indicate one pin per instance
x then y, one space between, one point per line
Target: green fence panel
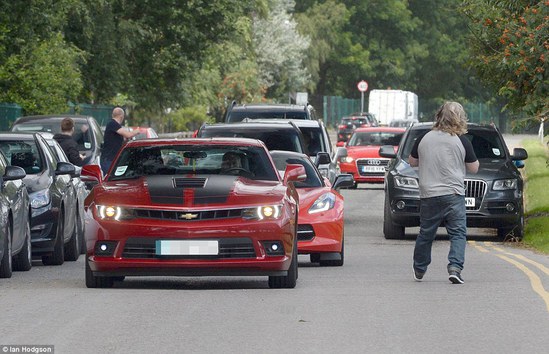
9 112
102 113
336 107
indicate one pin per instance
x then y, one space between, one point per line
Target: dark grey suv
237 113
494 196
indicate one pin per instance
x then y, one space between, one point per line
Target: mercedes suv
493 196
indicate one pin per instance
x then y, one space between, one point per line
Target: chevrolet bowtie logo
188 216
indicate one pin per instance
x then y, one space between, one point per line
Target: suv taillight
342 126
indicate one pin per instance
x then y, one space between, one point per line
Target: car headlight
40 199
262 212
406 182
347 159
505 184
323 203
112 212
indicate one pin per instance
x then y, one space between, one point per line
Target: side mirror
344 180
340 144
294 173
64 168
91 175
322 158
519 154
387 151
341 152
13 173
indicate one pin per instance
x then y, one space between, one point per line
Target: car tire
23 261
390 230
58 255
335 263
289 281
97 282
72 248
6 266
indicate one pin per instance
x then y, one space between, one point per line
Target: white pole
361 101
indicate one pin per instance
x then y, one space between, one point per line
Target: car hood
488 170
363 151
190 192
37 182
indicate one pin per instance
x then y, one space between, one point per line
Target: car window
279 139
189 160
314 140
313 180
375 139
239 115
24 154
486 144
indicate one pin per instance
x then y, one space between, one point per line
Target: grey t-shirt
442 159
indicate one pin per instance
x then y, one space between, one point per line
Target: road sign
362 86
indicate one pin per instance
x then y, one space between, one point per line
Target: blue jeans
105 165
449 209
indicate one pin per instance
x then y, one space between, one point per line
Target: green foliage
188 118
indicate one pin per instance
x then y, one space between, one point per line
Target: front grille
377 164
184 182
305 232
187 215
475 189
144 247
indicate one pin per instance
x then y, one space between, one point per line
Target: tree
511 43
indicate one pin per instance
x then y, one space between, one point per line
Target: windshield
313 180
375 138
238 116
486 144
82 133
250 162
24 154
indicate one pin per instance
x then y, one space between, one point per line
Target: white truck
393 105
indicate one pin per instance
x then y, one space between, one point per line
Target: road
370 305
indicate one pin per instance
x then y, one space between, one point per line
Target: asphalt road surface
370 305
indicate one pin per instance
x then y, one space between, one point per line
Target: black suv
237 113
493 196
87 132
357 120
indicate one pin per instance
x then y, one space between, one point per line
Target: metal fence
9 112
335 107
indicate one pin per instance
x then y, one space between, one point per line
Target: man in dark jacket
68 144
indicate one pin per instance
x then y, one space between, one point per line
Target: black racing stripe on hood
216 190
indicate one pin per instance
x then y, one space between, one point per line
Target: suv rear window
239 115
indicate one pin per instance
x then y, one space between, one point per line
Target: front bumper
318 233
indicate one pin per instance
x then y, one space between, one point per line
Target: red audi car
320 222
363 160
192 207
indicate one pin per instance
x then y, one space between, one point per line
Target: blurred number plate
187 248
469 202
373 168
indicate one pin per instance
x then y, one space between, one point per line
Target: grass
536 173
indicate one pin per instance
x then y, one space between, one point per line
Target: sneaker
418 276
455 277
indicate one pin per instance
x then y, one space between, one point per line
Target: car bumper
352 169
320 233
242 248
43 232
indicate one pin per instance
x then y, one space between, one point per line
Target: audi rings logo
373 162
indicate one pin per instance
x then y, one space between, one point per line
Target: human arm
471 162
126 133
413 159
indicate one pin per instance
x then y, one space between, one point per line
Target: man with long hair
443 156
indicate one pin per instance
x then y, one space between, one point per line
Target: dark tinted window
274 139
24 154
375 138
239 115
314 140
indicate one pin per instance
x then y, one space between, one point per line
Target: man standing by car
443 156
68 144
114 138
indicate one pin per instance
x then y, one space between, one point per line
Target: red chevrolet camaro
320 222
192 207
363 160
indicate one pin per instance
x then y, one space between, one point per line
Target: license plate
187 248
469 202
374 169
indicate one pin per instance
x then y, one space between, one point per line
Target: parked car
363 160
80 189
144 133
237 113
52 198
320 221
281 135
88 133
494 195
176 207
348 124
402 123
15 237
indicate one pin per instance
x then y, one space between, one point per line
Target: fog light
400 204
273 248
105 248
510 207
